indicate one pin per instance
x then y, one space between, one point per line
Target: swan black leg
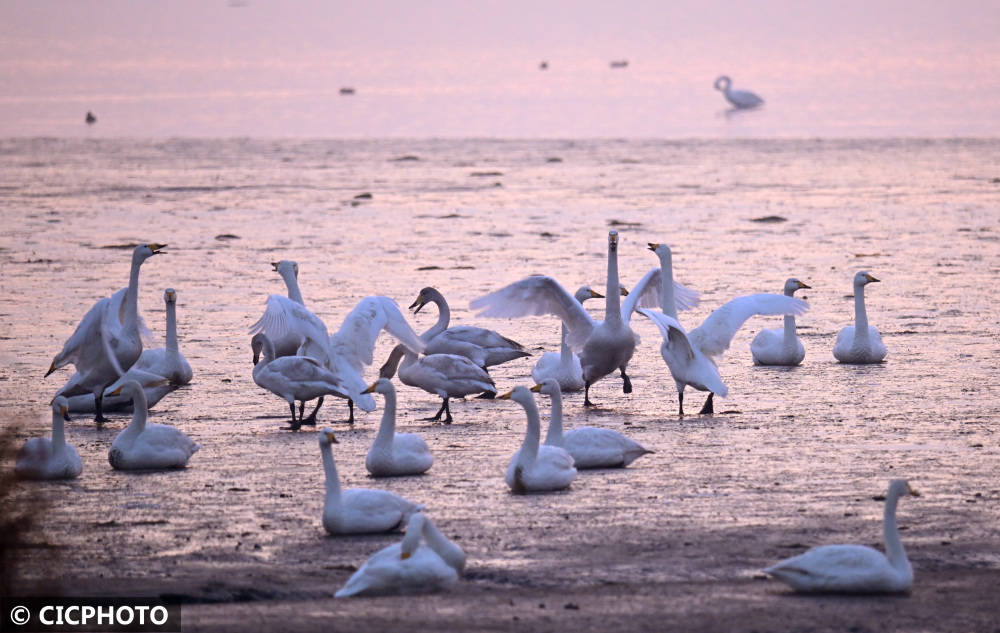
586 396
627 387
708 408
99 408
680 400
294 426
311 420
302 408
437 416
350 407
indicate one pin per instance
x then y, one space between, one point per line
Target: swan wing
89 329
714 335
534 296
283 317
355 340
646 294
855 568
673 332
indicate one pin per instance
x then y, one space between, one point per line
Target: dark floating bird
90 118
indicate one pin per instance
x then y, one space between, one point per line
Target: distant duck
347 90
90 118
780 346
394 454
50 458
854 568
544 65
860 343
147 446
410 566
742 99
619 63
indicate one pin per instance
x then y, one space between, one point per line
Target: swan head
863 278
518 394
901 488
793 284
326 437
170 296
60 407
661 250
382 385
586 292
426 296
257 344
143 252
723 82
612 240
286 267
414 533
549 387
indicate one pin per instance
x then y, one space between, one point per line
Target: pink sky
471 68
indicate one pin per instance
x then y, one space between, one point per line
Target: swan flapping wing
355 340
673 332
646 294
714 335
283 317
88 330
534 296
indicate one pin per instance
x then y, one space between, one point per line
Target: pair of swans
690 356
741 99
425 561
780 346
536 467
289 324
590 447
394 454
359 510
143 445
860 343
107 339
151 370
50 458
854 568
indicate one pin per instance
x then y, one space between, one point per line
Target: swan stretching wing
648 293
715 334
284 318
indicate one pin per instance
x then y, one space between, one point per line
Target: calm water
468 216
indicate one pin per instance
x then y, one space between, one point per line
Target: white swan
445 375
106 340
854 568
393 454
860 343
741 99
291 327
50 458
564 366
409 567
293 378
590 447
691 356
604 345
780 346
485 347
535 468
146 446
359 510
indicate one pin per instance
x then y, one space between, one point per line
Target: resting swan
860 343
358 510
410 566
107 341
590 447
691 356
485 347
780 346
148 446
445 375
854 568
394 454
742 99
604 345
50 458
535 468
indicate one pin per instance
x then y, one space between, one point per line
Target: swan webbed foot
294 425
627 385
437 416
708 408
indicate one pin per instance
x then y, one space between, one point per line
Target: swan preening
358 510
854 568
780 346
860 343
535 467
50 458
485 347
394 454
106 340
425 561
146 446
589 447
691 356
741 99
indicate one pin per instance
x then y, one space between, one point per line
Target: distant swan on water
742 99
860 343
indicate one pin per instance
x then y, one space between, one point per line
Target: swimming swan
854 568
535 468
50 458
147 446
742 99
393 454
590 447
358 510
410 566
860 343
107 341
780 346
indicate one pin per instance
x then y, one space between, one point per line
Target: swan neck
448 551
332 479
860 314
612 306
667 302
292 283
387 429
529 449
893 545
789 336
565 353
554 436
140 411
391 365
444 317
132 294
172 346
58 432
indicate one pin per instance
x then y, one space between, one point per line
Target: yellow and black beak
506 396
275 266
596 295
64 411
802 285
913 491
371 388
623 290
652 246
537 388
330 437
116 392
156 248
420 302
869 278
